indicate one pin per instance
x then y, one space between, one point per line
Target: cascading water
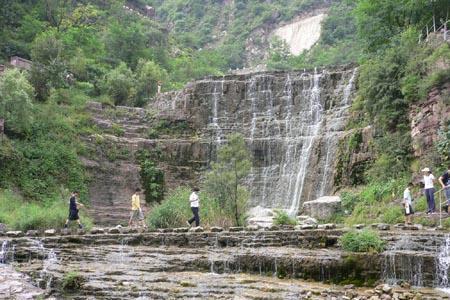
5 252
292 123
443 265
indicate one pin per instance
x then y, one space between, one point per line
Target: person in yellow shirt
136 211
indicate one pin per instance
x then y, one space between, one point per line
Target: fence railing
435 27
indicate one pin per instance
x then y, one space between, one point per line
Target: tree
16 95
225 180
49 66
119 85
148 74
152 180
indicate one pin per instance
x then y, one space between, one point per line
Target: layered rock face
292 122
428 118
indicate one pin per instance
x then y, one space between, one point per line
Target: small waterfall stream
443 265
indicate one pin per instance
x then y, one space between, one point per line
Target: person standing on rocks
444 180
428 180
73 210
136 210
194 201
407 202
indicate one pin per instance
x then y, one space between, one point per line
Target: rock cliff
292 123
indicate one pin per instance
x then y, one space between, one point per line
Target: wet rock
32 233
114 230
181 229
273 228
165 230
14 233
235 229
196 229
97 230
359 226
327 226
65 231
308 226
81 231
383 227
310 221
216 229
323 207
252 228
387 289
50 232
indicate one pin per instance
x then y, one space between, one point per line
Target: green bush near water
283 218
362 241
175 210
18 214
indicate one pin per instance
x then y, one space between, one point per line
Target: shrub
392 215
72 281
18 214
152 180
282 218
361 241
174 211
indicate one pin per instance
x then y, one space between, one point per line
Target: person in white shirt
194 200
407 203
428 180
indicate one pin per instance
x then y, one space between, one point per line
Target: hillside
114 53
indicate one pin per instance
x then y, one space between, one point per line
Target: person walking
194 201
428 180
73 210
407 203
444 180
136 210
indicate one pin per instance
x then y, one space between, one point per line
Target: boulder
216 229
383 227
50 232
327 226
235 229
32 233
114 230
97 230
252 228
14 233
323 207
196 229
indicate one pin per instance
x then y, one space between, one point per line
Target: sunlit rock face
292 122
302 34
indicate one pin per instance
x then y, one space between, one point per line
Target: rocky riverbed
115 263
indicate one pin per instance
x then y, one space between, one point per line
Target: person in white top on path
407 203
194 200
428 180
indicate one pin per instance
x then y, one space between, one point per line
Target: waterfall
315 115
5 252
403 262
443 264
292 122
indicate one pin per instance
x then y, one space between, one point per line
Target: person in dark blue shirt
444 180
73 210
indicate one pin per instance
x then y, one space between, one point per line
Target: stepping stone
216 229
359 226
181 229
97 230
235 229
50 232
383 227
17 233
252 228
327 226
32 233
196 229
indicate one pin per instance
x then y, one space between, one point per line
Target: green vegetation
23 215
225 181
174 211
72 281
152 180
361 241
282 218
